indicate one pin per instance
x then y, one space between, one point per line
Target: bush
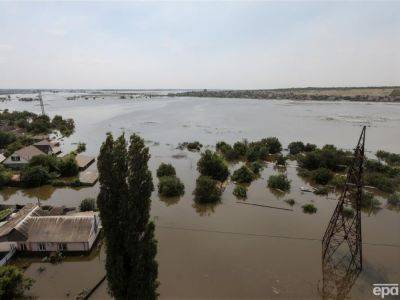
279 182
309 208
212 165
273 145
58 183
6 138
243 175
81 147
165 170
322 176
227 151
291 202
88 204
5 176
256 167
380 181
191 146
296 147
170 186
389 158
338 181
68 166
281 160
240 148
13 284
35 176
394 199
257 151
309 147
207 190
49 162
240 192
368 200
348 212
327 157
322 191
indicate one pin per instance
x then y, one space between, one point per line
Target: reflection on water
205 209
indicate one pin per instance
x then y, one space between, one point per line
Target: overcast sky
199 44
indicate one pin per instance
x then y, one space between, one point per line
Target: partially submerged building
21 157
35 230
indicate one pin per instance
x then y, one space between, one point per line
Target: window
22 247
62 247
15 158
42 246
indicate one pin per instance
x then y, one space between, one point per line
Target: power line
262 235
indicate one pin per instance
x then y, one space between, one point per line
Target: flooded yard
227 250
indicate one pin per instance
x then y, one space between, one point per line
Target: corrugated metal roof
17 218
60 228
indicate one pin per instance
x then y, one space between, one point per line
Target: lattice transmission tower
342 243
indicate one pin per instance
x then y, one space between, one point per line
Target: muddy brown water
228 250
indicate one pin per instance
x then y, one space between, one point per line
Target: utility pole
342 243
41 102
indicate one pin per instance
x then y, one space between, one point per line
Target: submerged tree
124 203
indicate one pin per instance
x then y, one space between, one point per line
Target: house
47 147
32 229
21 157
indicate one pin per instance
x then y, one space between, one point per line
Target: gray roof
28 152
60 228
30 225
17 218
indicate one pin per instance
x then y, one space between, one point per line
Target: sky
188 45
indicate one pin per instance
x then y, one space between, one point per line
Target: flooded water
229 250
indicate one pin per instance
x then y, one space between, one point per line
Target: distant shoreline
366 94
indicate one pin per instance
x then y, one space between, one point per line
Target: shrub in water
296 147
368 200
280 182
240 148
394 199
256 167
207 190
324 190
273 145
170 186
309 208
165 170
281 160
322 176
212 165
243 175
240 192
291 202
348 212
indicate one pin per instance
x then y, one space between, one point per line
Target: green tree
211 164
35 176
68 166
274 145
170 186
124 203
280 182
166 170
88 204
243 175
13 284
296 147
207 190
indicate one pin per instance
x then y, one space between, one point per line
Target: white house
21 157
32 229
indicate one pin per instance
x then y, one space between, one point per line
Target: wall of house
50 247
15 164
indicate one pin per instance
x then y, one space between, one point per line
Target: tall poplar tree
124 203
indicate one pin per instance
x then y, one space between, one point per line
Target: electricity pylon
342 243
